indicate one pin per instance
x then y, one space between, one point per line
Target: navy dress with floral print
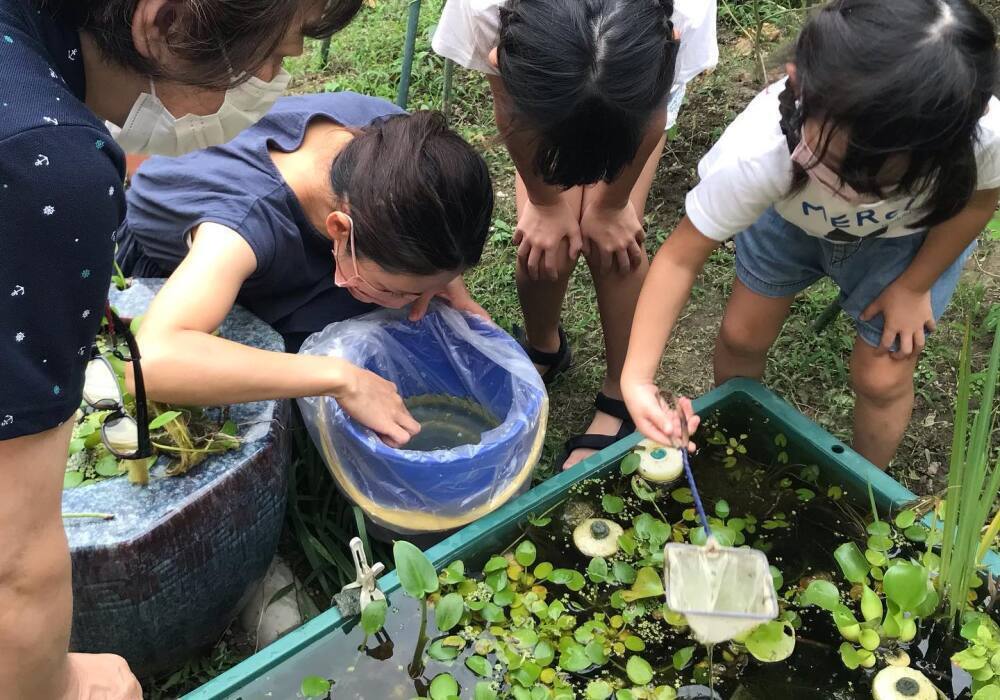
61 203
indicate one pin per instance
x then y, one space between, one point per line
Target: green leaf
107 466
777 578
869 639
849 655
634 643
647 585
905 584
444 686
480 666
722 508
820 593
229 428
439 651
630 464
871 605
495 563
597 570
879 528
905 519
612 504
415 571
574 658
543 571
852 562
987 692
539 521
373 616
880 543
525 553
315 687
454 573
162 419
448 611
916 533
771 642
544 654
598 690
484 692
682 657
595 652
72 479
623 572
682 495
642 490
638 670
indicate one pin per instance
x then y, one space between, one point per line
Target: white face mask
151 128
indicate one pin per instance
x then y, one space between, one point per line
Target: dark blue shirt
238 186
61 202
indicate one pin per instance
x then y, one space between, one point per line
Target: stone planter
168 574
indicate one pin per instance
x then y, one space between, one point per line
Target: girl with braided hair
582 91
876 163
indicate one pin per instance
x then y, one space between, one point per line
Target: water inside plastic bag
722 591
447 421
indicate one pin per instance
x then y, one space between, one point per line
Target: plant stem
99 516
991 534
417 664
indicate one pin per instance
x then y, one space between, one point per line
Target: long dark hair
586 76
420 196
215 39
906 78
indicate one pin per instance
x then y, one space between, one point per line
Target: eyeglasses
124 437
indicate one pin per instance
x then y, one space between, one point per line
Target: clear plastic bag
445 353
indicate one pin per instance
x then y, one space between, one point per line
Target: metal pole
324 53
449 71
411 39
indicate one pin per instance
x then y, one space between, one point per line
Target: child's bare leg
749 327
542 299
617 295
884 390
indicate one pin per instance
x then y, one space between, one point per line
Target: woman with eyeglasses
331 206
160 76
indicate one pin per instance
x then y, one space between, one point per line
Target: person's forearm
946 241
663 296
194 368
617 193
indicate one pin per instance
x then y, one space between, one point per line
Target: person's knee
739 338
882 382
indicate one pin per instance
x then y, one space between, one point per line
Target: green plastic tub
807 443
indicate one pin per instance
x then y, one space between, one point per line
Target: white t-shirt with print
469 30
750 169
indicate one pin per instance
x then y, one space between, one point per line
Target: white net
722 591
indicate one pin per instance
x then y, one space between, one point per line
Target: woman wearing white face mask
66 68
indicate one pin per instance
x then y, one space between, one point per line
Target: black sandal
593 441
557 362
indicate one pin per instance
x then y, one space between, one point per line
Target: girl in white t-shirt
583 90
876 163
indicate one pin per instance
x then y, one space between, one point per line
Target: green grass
809 369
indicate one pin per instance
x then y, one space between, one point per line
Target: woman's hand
541 231
376 404
457 296
613 237
657 420
906 313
